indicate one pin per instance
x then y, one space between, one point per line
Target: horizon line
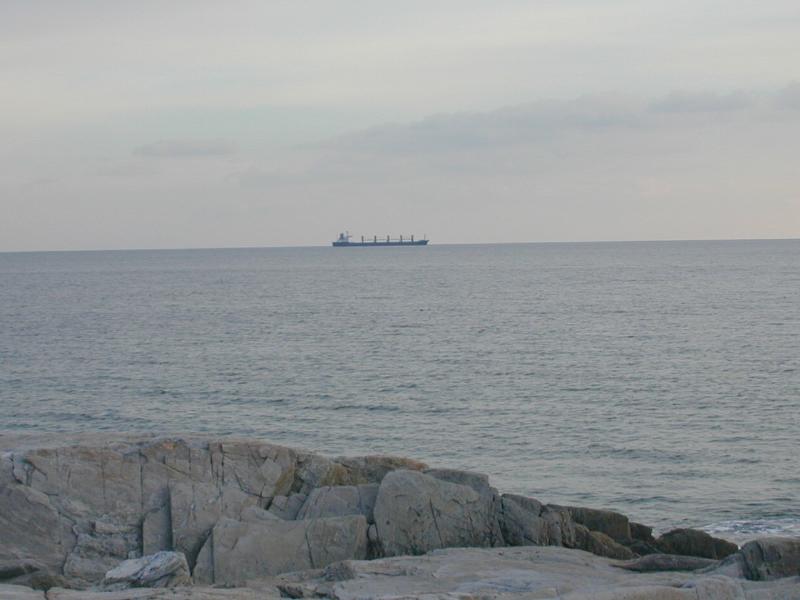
328 245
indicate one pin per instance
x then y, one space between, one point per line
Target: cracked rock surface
76 511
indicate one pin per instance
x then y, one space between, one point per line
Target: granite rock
771 558
613 524
692 542
19 592
668 562
372 469
31 529
196 507
237 551
521 521
416 513
339 501
178 593
287 507
600 544
74 507
160 570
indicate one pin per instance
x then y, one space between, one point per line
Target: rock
692 542
372 469
771 558
179 593
73 508
236 551
643 548
560 526
291 589
716 588
157 530
315 471
489 495
416 513
339 501
99 547
19 592
641 533
668 562
521 521
526 521
260 470
160 570
83 480
613 524
196 507
82 570
600 544
31 528
470 574
254 514
533 572
11 569
287 507
30 573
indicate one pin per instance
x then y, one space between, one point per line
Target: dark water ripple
660 379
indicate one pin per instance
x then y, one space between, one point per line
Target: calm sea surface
659 379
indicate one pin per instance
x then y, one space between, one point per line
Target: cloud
528 141
186 148
789 97
688 102
524 123
138 168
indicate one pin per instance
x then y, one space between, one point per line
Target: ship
345 240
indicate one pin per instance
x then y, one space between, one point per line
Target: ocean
660 379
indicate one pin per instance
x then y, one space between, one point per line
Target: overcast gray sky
154 124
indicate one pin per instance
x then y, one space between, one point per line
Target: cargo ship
346 240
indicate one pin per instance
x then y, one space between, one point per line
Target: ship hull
380 243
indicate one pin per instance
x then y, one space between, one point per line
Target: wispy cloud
186 148
789 97
528 135
703 102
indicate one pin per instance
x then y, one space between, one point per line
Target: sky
181 124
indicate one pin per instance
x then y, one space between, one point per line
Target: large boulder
521 521
338 501
600 544
771 558
613 524
31 529
373 468
692 542
641 533
489 496
416 513
527 522
196 507
160 570
238 551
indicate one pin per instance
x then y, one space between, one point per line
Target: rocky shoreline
120 517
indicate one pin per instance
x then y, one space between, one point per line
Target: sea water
660 379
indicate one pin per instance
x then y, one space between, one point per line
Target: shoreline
737 529
228 510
